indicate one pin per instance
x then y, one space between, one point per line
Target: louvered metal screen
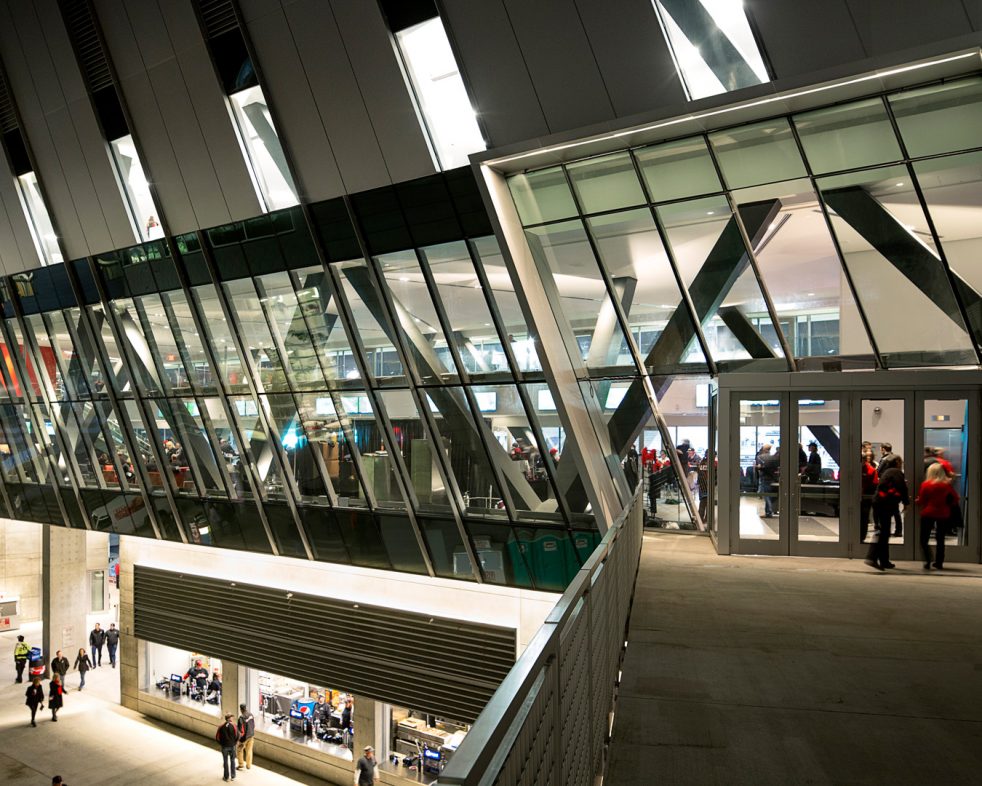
441 666
8 118
85 36
217 16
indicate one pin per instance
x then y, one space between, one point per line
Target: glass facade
266 386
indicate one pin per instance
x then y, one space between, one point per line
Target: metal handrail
487 745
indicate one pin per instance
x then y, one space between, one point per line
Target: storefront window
187 678
420 745
310 715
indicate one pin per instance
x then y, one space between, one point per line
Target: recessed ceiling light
710 212
899 185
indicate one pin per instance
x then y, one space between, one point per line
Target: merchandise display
422 744
189 678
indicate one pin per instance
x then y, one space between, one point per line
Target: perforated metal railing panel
442 666
548 723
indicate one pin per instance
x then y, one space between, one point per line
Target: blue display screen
430 753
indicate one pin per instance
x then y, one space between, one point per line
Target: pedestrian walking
938 501
112 641
891 492
21 654
35 697
366 770
82 664
247 736
60 667
227 737
97 638
55 700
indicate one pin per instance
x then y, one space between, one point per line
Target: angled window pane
941 118
305 459
136 189
500 554
39 221
518 333
516 447
606 183
715 267
758 153
801 269
565 251
368 317
378 465
330 430
542 196
632 251
952 188
418 321
263 150
466 308
463 444
847 136
713 45
440 92
257 447
446 547
290 333
676 170
254 331
419 453
319 309
182 325
902 285
220 337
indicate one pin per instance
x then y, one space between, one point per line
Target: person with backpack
227 736
247 736
21 653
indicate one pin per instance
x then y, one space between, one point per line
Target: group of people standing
59 666
885 494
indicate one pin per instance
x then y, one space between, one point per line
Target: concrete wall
20 565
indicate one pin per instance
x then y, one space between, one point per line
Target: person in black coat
35 697
112 641
891 492
83 664
60 667
55 700
97 639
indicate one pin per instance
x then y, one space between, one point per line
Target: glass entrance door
759 479
816 485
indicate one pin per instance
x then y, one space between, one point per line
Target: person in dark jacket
83 664
891 493
868 487
227 737
112 642
813 466
938 501
97 638
247 736
60 667
35 698
346 714
55 700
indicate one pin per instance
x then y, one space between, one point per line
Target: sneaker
873 564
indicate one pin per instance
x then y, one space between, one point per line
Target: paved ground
769 670
95 741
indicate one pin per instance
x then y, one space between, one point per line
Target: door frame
913 386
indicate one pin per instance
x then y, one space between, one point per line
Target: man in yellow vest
21 653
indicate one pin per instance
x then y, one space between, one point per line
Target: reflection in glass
680 169
888 248
378 465
542 196
758 153
262 148
368 318
818 470
946 442
417 451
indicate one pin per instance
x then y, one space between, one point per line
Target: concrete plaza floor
783 670
95 741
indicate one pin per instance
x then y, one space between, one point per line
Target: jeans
940 527
82 683
765 489
228 762
96 656
112 653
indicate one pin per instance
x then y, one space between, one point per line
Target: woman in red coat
937 499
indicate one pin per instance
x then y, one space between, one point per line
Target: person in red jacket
937 499
869 481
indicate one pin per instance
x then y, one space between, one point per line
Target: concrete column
65 591
364 723
20 566
230 688
132 651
